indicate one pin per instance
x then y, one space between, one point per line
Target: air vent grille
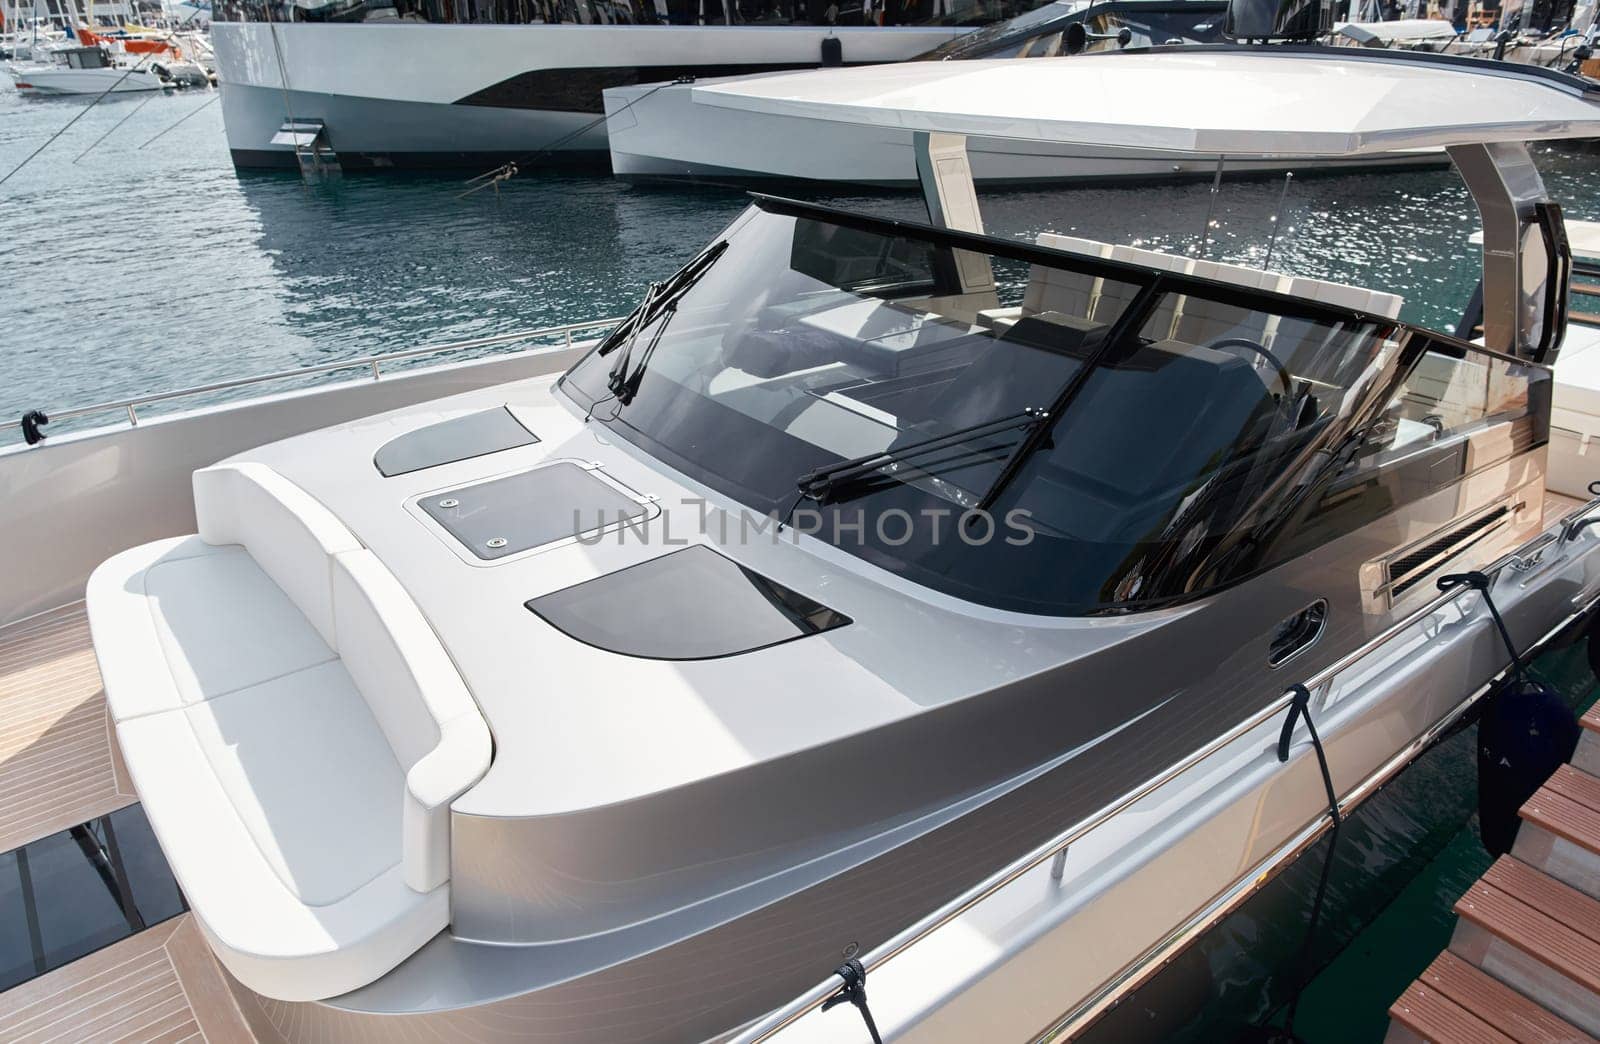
1409 569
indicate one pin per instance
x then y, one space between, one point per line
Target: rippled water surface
135 265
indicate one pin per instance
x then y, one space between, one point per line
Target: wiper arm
820 484
660 302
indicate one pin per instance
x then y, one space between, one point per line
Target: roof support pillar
952 198
1507 189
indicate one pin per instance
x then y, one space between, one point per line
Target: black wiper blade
820 484
660 302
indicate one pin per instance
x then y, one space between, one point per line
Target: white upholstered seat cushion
280 806
295 730
288 532
224 625
267 936
431 721
309 774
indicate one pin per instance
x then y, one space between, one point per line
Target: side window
1458 411
1473 395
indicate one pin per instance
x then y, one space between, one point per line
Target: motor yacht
384 84
682 132
877 589
84 70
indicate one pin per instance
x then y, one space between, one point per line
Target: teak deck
59 768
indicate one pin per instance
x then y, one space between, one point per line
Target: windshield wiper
660 302
820 484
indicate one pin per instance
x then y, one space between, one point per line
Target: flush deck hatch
532 508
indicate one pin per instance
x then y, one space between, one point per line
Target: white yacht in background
427 83
95 70
725 131
467 705
675 132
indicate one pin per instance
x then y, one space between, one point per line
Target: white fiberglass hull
55 80
661 133
471 96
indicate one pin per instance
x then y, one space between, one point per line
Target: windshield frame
1263 518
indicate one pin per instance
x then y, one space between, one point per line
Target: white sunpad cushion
310 776
225 626
133 663
272 941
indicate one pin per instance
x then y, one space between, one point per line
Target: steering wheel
1277 364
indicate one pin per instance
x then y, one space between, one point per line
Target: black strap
1300 708
854 990
32 422
1479 582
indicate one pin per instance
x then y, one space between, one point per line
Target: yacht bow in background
419 83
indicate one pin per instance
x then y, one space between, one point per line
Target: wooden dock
1524 963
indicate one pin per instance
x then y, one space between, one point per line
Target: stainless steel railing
375 363
775 1021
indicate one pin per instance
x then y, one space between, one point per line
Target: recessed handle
1298 633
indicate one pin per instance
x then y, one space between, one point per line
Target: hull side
410 95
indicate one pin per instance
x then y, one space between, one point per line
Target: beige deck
161 985
57 768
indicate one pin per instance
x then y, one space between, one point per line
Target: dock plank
1494 1003
1502 905
1564 818
1576 786
1433 1016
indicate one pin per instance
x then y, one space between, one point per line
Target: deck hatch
693 604
459 438
540 506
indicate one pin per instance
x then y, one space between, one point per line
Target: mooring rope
185 116
509 169
854 991
1300 708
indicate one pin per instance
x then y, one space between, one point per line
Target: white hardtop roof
1402 29
1227 101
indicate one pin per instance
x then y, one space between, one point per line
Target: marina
920 600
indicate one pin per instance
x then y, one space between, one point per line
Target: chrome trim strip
1135 974
372 362
776 1020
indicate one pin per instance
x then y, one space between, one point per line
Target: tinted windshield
807 342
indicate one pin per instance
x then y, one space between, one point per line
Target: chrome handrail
373 362
1319 684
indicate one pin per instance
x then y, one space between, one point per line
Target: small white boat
83 70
